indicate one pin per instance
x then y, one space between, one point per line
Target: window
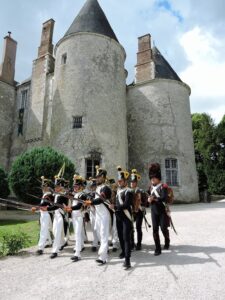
77 122
64 59
91 162
171 166
24 97
20 121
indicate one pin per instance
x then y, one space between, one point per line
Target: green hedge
26 171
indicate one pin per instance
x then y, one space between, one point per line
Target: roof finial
9 32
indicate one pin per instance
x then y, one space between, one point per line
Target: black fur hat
155 171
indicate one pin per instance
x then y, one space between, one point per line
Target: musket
20 203
105 201
56 204
17 207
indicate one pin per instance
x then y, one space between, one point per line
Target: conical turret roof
91 18
162 68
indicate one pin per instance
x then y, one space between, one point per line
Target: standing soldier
138 206
77 215
92 213
124 219
114 234
45 217
103 217
158 199
60 224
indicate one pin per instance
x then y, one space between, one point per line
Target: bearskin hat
155 171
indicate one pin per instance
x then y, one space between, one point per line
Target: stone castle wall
159 127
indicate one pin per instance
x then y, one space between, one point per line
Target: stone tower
159 122
89 101
42 66
7 98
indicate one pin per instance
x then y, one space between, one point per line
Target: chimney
7 67
46 46
144 65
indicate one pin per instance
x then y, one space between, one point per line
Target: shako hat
100 172
78 180
134 176
122 174
45 182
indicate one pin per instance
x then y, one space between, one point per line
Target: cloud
206 71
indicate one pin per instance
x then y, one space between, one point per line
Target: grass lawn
31 228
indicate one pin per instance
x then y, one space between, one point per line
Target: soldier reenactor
158 200
77 214
45 216
103 215
124 219
60 223
139 206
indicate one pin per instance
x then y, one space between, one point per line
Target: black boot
167 244
39 252
75 258
53 255
127 264
101 262
138 247
122 255
157 252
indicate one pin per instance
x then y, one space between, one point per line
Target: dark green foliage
12 243
4 187
209 143
26 171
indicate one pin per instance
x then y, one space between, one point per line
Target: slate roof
91 18
162 67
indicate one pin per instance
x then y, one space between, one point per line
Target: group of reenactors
112 207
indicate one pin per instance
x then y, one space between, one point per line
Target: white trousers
96 238
102 224
45 224
78 233
58 232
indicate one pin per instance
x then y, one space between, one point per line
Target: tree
216 173
4 187
209 143
26 171
204 144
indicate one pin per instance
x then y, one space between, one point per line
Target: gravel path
194 268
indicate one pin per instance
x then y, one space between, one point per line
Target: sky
189 33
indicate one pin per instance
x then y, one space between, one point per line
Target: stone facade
77 102
159 127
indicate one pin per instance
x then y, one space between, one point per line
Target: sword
171 222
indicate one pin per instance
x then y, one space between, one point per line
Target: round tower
159 123
89 102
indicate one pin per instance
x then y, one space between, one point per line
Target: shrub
26 171
12 243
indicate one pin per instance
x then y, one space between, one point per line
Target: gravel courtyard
194 267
